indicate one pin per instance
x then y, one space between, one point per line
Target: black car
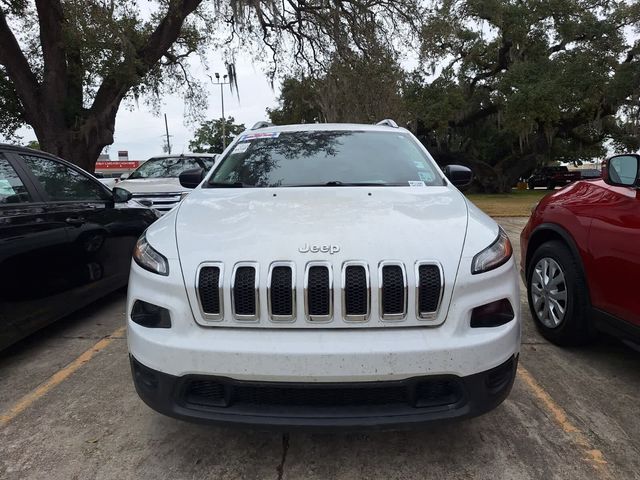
590 173
551 177
65 239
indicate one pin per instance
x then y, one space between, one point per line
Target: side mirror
120 195
622 170
124 176
192 178
458 175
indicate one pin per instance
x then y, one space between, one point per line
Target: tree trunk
80 146
53 105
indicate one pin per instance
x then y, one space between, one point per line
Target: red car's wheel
557 295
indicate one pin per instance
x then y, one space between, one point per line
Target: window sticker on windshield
414 183
426 176
253 136
419 165
241 147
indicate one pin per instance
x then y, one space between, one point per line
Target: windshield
331 158
171 167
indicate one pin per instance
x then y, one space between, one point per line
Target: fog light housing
149 315
492 314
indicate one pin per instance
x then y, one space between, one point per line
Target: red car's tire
557 295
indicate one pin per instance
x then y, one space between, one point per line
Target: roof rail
388 123
261 124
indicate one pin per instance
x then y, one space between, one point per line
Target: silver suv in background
155 183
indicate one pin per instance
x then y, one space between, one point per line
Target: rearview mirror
458 175
622 170
120 195
192 178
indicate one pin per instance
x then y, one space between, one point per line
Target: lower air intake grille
318 291
429 287
244 292
208 288
319 397
393 290
355 290
412 393
281 291
205 393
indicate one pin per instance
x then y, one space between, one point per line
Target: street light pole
166 129
224 120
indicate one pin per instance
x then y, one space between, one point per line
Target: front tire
557 294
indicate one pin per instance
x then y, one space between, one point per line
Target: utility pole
224 120
166 129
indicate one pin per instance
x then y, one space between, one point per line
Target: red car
580 257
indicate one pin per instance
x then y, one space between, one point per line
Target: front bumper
384 405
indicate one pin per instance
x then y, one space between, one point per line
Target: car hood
371 224
155 185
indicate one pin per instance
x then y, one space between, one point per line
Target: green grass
515 204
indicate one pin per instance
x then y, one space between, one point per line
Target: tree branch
115 87
502 63
18 69
51 19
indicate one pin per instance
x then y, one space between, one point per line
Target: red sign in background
116 165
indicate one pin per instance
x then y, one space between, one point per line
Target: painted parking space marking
592 455
57 378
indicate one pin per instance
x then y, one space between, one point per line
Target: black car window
62 183
331 158
12 190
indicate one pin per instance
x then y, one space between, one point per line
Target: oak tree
66 66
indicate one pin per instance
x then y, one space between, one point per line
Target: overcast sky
142 133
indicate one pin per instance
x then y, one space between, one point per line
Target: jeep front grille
360 295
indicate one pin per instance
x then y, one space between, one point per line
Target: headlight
148 258
496 254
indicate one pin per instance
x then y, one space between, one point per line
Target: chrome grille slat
392 286
356 291
281 292
209 290
245 303
318 291
429 288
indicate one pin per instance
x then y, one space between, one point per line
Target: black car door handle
75 220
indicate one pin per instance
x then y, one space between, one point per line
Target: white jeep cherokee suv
324 276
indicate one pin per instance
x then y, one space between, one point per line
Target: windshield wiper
226 185
338 183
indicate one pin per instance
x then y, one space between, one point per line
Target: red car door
614 247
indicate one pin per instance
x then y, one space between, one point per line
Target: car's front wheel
557 294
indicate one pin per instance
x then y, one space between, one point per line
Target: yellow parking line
592 455
57 378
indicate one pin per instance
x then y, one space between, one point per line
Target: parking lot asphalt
68 410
